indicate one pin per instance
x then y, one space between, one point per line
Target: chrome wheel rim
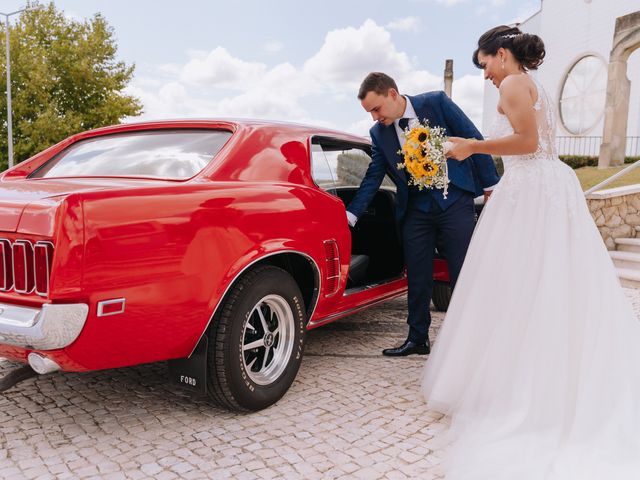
267 339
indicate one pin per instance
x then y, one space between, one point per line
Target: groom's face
383 108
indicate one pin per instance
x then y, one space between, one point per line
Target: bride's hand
460 148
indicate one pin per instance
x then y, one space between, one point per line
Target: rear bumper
49 327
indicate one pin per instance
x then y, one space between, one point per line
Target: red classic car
212 244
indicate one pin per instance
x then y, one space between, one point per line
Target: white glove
351 219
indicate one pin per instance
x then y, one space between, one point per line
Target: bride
538 360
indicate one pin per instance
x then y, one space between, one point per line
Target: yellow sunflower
415 169
410 151
418 135
430 169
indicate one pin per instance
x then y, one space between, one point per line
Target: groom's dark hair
377 82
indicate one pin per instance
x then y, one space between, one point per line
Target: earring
502 62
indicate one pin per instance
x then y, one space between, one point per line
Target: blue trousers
452 229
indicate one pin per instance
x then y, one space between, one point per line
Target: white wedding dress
538 358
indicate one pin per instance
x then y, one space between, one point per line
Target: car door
376 270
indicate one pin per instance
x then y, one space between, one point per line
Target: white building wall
570 30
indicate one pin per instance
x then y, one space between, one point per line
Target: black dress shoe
408 348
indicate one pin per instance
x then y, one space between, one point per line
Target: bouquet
424 156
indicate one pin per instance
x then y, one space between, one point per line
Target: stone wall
616 212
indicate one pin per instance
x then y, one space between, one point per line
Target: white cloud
216 83
261 104
361 127
287 79
170 69
219 68
468 93
406 24
273 46
349 54
413 83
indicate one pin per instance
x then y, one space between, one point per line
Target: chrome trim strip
311 311
50 327
344 313
104 303
42 244
362 288
327 259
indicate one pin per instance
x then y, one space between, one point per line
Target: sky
293 60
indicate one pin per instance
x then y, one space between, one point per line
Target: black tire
242 379
441 296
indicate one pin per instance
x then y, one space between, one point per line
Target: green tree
64 79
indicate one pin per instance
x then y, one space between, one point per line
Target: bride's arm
517 104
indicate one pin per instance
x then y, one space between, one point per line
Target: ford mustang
213 245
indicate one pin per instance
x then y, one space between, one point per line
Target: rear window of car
166 154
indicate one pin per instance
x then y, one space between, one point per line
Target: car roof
233 124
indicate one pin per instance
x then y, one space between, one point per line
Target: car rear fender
301 266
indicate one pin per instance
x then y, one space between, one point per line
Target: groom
424 216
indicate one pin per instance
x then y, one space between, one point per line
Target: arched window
583 95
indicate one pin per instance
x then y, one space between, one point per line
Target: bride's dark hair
527 48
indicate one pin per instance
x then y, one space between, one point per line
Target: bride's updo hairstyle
527 48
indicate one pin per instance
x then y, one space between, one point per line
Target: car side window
341 165
322 173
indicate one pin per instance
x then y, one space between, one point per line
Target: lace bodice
541 172
546 132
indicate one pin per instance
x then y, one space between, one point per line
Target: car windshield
167 154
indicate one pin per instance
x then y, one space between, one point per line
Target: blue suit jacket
471 175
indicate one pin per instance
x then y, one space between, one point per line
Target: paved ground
350 414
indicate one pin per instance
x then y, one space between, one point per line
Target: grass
590 176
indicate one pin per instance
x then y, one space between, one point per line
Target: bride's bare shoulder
518 87
513 83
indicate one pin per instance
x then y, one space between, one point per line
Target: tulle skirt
538 358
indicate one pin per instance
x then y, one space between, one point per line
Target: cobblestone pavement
351 413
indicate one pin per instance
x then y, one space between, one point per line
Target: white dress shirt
409 113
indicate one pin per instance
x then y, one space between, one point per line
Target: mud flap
191 373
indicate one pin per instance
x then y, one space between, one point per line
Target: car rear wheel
441 296
257 340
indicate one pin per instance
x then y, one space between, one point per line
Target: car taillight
6 264
42 256
332 275
25 267
23 274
